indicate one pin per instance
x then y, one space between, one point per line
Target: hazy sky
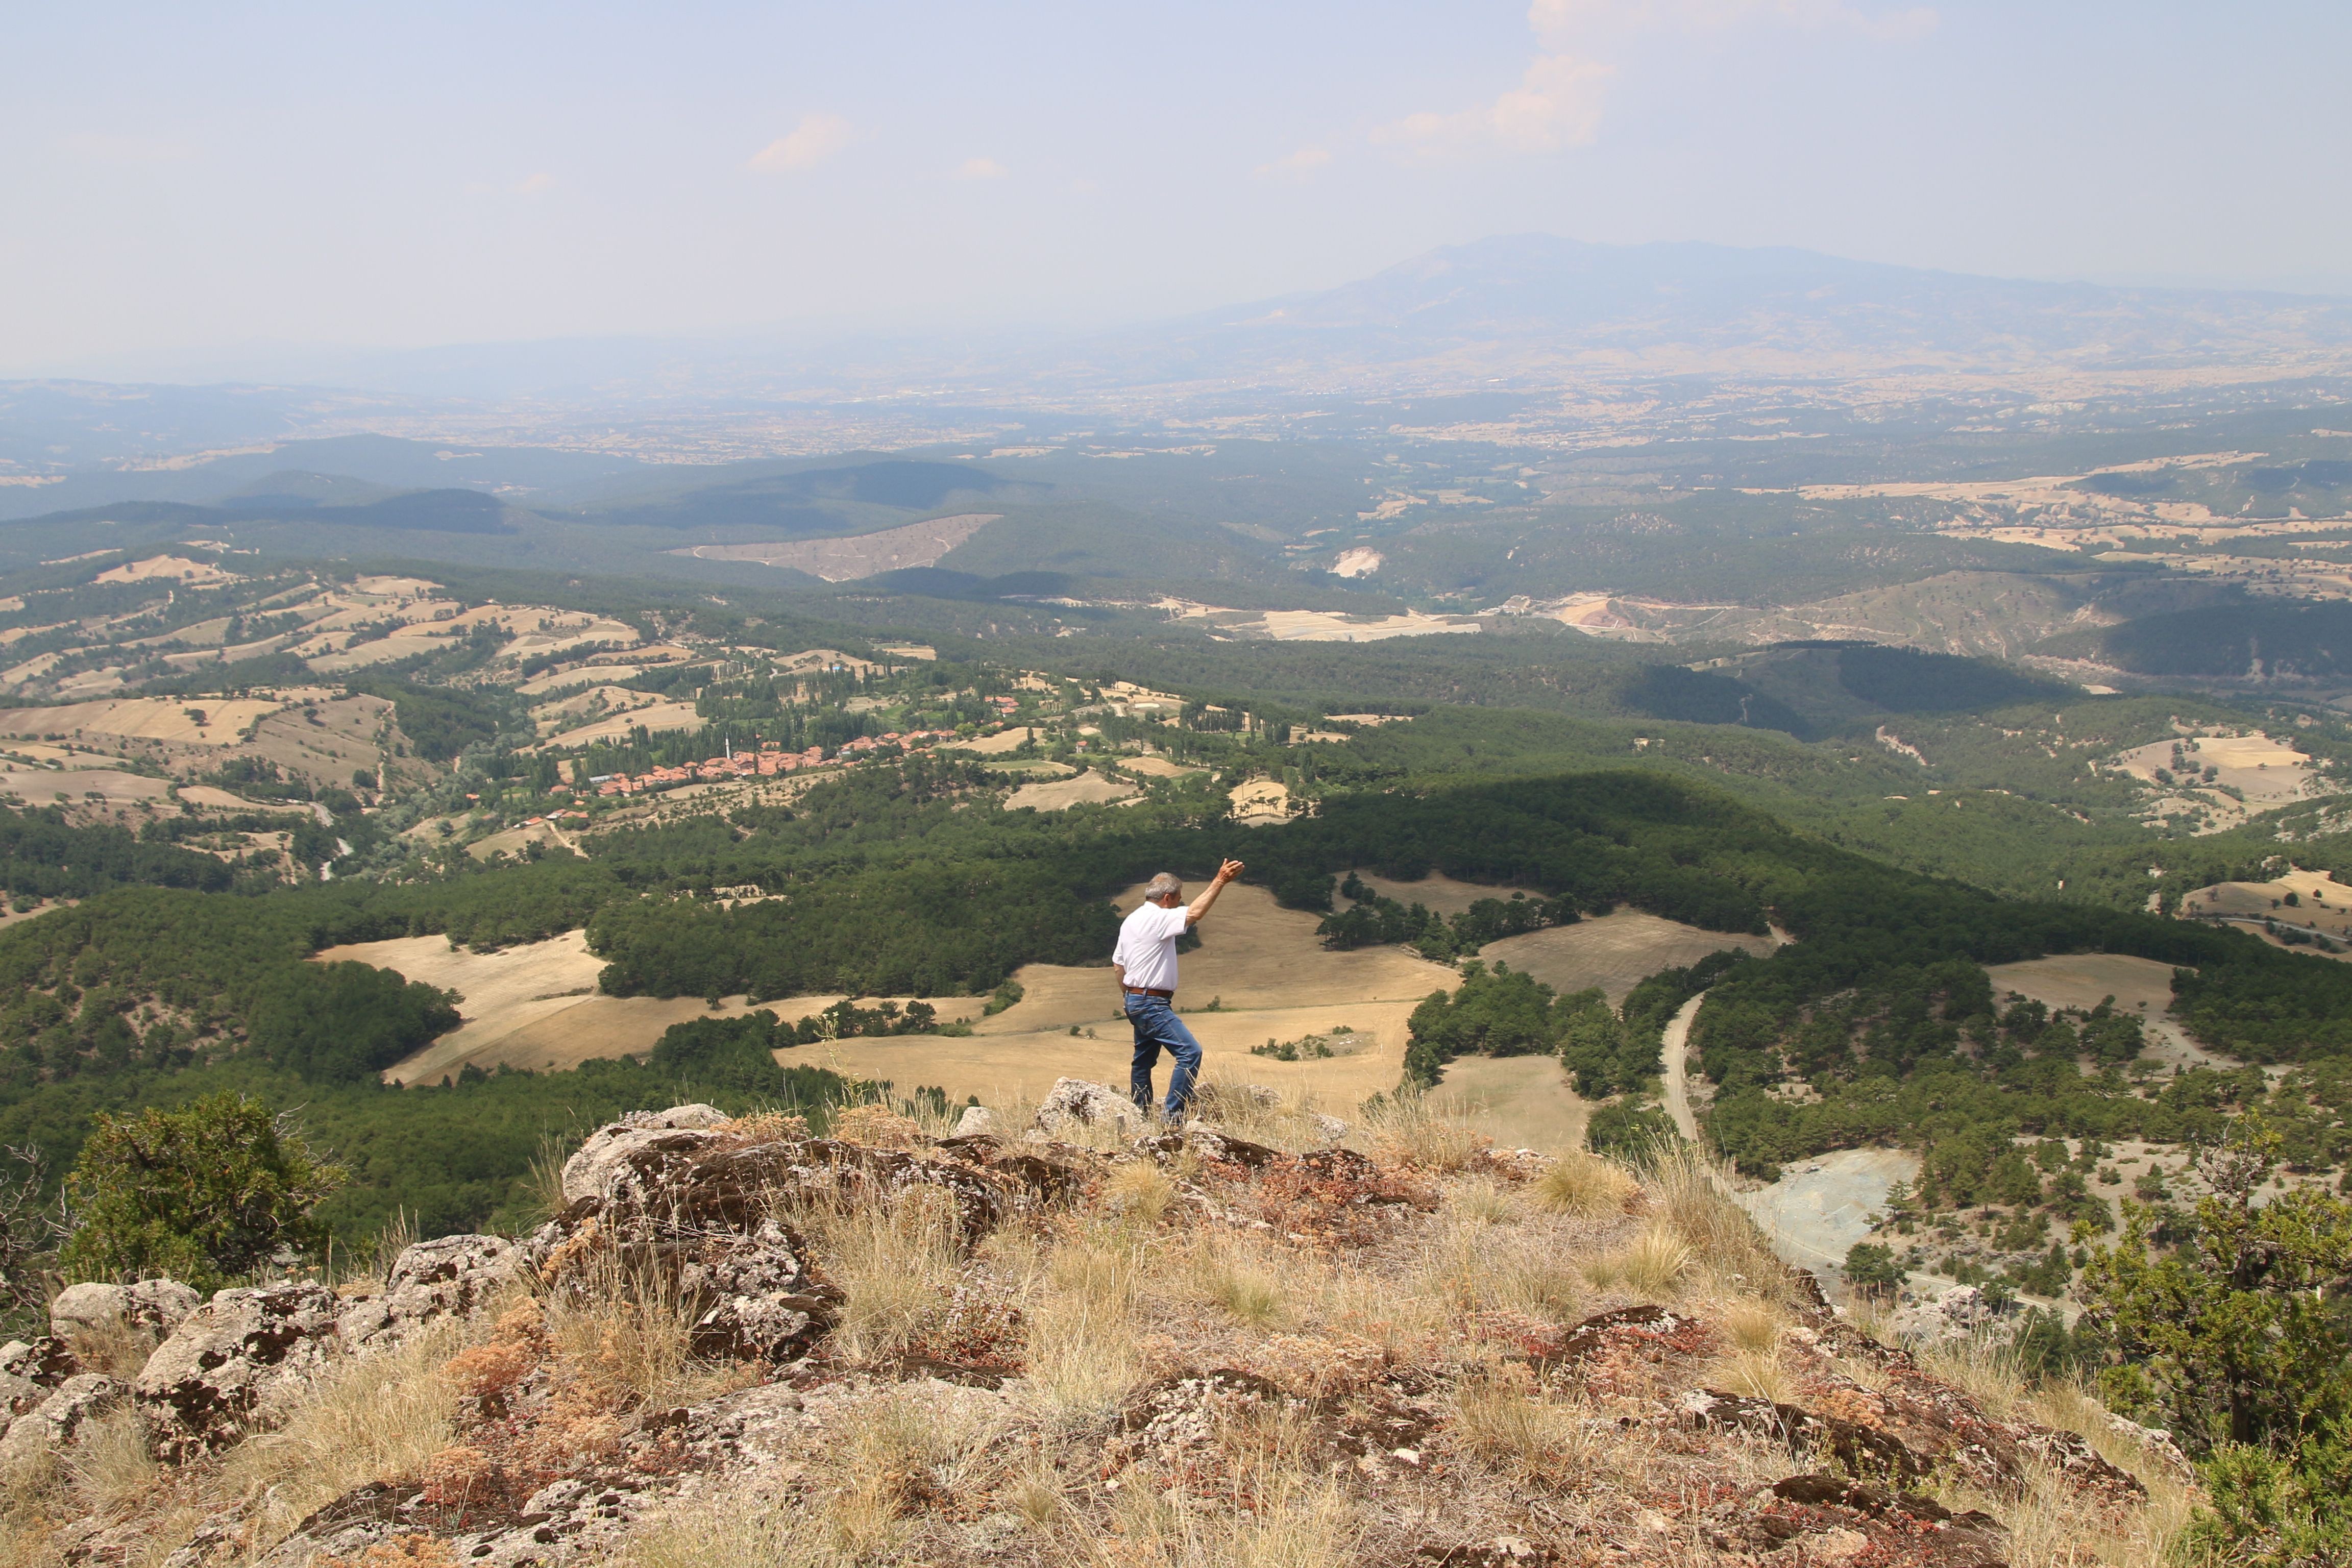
176 177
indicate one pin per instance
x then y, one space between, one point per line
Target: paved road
1678 1050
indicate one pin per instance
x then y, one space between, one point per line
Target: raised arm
1200 905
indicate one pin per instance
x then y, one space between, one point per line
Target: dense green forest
915 878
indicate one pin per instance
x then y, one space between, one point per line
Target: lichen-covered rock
1074 1099
975 1120
627 1159
454 1276
52 1425
45 1362
1813 1519
161 1305
221 1371
764 1303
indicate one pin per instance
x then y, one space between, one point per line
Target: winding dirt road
1676 1051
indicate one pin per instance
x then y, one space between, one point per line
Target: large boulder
627 1160
1077 1101
220 1373
454 1276
161 1305
54 1424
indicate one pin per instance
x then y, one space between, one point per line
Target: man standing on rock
1145 960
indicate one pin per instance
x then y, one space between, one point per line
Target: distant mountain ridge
1527 310
1528 303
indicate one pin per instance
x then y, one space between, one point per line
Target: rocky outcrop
161 1305
218 1373
53 1425
454 1276
625 1161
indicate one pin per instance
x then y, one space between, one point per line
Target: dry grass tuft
1288 1123
1479 1269
378 1417
1751 1324
1477 1201
1141 1191
896 1255
1243 1286
118 1347
876 1126
1583 1187
1532 1437
767 1127
110 1466
1653 1264
1406 1127
1082 1351
1692 1194
624 1333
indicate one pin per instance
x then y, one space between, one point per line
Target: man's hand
1200 906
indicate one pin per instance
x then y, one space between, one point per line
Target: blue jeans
1157 1026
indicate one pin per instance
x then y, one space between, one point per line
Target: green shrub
205 1193
1631 1131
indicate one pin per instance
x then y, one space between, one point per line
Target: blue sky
177 178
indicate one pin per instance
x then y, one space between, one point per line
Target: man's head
1166 890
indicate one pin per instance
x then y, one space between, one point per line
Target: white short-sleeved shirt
1147 946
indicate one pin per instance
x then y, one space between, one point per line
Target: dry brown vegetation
1212 1349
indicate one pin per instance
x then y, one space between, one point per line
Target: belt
1149 991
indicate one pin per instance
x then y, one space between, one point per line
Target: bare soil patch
1615 952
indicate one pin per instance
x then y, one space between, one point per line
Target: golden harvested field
2084 980
1436 892
1154 768
1060 794
530 1007
144 719
655 717
37 786
1615 952
995 745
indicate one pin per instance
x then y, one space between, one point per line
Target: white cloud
1557 104
980 169
816 138
1303 165
533 185
1560 99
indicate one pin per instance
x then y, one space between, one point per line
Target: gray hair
1162 884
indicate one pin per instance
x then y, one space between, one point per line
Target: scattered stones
216 1377
453 1276
975 1120
49 1427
